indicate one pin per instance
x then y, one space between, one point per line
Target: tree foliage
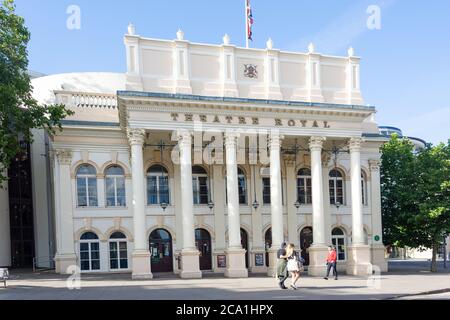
415 194
19 111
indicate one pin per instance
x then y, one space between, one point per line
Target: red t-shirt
331 256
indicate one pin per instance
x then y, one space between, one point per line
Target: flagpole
246 24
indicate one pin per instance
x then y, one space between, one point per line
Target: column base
64 261
358 261
272 269
236 264
379 260
261 268
190 264
216 268
318 260
141 267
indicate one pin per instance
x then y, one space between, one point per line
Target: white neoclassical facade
207 157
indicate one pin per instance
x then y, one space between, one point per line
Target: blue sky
405 68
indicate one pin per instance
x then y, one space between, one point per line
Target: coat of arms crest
250 71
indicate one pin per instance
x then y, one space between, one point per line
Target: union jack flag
249 21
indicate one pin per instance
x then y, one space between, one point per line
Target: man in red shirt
331 262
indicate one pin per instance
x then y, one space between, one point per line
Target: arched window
339 241
304 186
200 185
86 186
336 183
115 187
363 188
242 187
89 252
157 185
118 253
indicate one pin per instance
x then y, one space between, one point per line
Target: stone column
378 249
358 252
276 203
326 198
291 198
65 245
318 250
219 215
235 254
141 267
190 264
178 213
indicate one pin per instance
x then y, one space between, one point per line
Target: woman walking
293 265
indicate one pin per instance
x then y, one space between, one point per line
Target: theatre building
129 185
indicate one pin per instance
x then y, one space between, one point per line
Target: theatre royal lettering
253 121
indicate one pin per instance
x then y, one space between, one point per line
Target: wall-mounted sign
254 121
377 238
259 259
221 261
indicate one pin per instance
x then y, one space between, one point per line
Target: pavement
406 280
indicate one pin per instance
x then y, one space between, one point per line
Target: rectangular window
266 190
81 190
95 256
164 189
332 197
203 190
92 192
120 192
152 190
242 191
110 192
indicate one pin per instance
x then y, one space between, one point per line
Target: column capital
231 138
136 136
64 156
316 143
374 165
184 137
355 143
275 139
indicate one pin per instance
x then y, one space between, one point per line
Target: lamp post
255 204
163 204
210 190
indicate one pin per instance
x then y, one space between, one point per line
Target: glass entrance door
161 251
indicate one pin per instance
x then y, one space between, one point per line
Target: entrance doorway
203 244
244 243
21 211
161 251
268 244
306 239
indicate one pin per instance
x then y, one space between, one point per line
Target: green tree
415 195
433 192
19 112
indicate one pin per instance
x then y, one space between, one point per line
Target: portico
195 166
